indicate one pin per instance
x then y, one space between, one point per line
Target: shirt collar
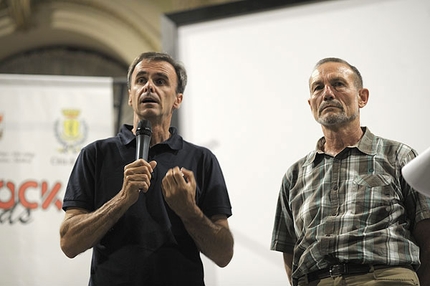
367 142
126 135
174 142
365 145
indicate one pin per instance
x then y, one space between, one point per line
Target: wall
247 99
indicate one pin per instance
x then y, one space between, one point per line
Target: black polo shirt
149 244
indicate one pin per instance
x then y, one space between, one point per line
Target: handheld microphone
143 139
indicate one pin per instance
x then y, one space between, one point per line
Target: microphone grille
144 127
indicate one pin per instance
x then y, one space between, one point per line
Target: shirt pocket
374 181
374 198
374 190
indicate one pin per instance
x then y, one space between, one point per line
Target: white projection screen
247 94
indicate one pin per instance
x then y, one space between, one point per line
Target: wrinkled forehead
329 71
154 67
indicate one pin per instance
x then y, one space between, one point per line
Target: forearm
424 270
81 231
288 262
213 238
421 235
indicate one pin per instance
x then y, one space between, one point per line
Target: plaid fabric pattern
351 208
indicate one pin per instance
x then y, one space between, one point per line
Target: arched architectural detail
118 30
83 37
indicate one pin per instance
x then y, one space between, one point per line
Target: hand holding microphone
137 174
143 141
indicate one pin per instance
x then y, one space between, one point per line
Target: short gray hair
358 79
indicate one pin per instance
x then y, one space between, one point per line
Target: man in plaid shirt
345 215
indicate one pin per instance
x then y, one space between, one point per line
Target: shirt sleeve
80 182
417 205
214 198
283 236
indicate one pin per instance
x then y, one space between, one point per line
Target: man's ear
178 101
130 102
363 97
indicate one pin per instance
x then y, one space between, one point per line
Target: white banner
44 122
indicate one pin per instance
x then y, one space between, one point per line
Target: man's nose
148 87
328 92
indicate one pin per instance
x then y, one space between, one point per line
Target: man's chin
331 120
335 120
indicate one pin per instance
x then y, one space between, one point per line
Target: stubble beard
336 119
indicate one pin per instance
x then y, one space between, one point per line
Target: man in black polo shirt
148 221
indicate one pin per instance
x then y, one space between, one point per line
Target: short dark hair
358 77
181 73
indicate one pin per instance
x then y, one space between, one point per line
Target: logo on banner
18 200
71 132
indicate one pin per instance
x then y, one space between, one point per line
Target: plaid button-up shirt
352 208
